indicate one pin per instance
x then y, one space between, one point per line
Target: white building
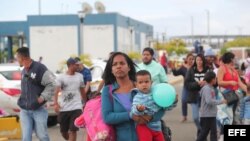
56 37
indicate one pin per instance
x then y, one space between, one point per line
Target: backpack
166 131
92 120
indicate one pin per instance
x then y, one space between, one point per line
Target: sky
172 17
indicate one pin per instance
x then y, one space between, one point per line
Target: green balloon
164 94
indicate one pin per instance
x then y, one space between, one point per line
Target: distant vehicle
97 70
10 90
10 87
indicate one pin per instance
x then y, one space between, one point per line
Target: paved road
181 131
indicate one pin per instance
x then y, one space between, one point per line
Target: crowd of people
126 95
206 80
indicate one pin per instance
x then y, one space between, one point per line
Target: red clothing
88 138
146 134
163 60
228 76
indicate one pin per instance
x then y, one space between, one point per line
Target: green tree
135 56
175 45
239 42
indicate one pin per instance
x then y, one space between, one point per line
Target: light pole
39 7
131 38
239 30
192 29
81 16
208 26
163 37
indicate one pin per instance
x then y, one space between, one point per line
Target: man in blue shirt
87 77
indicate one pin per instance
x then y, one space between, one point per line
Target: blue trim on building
53 20
127 22
115 19
12 28
101 19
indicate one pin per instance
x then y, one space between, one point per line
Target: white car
10 90
97 69
10 87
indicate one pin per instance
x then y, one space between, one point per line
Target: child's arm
136 101
207 93
140 108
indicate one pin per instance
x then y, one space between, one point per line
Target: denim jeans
195 114
34 120
184 104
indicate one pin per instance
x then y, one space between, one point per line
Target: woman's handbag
230 96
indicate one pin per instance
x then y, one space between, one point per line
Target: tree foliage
239 42
175 45
135 56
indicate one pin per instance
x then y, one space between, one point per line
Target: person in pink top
228 77
164 62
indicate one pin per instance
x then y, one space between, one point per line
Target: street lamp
192 29
208 26
239 28
39 7
81 16
131 30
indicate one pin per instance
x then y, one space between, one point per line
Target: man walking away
37 85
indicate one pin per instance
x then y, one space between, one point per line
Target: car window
12 75
96 72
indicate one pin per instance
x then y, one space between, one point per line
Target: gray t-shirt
70 95
208 102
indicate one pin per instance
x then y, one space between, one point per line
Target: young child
208 109
143 104
245 108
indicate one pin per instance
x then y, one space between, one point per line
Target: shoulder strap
226 69
110 93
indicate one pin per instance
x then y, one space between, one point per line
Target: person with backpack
143 104
119 76
71 86
164 62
